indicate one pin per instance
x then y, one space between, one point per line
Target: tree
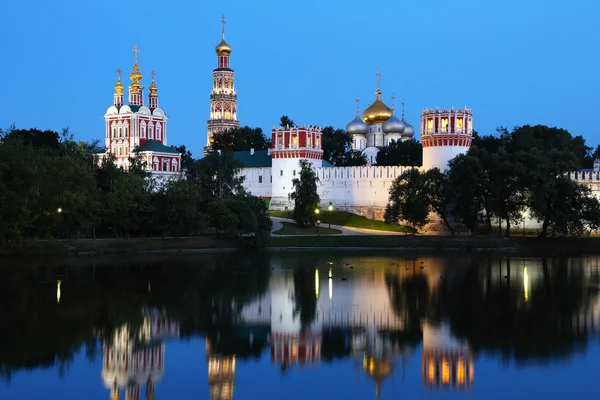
241 139
470 183
187 161
286 121
352 158
408 153
305 196
596 153
217 175
408 200
336 144
178 205
440 195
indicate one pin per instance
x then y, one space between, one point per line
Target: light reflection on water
299 326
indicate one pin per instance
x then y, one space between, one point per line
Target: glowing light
431 371
317 211
59 209
330 285
58 290
445 371
460 372
525 284
317 283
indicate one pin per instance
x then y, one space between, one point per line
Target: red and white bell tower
223 97
289 145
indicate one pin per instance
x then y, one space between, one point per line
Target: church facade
138 130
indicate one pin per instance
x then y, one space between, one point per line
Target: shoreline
429 244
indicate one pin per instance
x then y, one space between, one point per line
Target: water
299 326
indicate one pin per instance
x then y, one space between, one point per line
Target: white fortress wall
440 156
257 180
363 190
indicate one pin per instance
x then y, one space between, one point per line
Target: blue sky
513 62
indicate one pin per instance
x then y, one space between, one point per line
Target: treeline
504 178
51 187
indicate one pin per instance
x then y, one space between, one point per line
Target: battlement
441 122
297 142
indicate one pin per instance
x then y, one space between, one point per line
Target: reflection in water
376 315
221 374
135 356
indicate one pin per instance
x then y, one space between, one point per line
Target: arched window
174 165
157 132
143 130
151 131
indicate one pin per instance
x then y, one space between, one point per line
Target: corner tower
223 98
445 134
289 145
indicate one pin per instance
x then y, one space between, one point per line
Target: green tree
187 161
178 205
286 121
241 139
305 196
404 153
471 186
336 144
217 175
408 199
352 158
440 195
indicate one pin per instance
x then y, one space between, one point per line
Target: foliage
305 196
408 199
241 139
54 187
336 145
440 195
404 153
285 121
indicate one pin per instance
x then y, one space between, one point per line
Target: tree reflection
521 319
305 296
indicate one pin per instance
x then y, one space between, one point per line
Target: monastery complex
444 133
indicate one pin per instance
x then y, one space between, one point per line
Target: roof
260 158
151 145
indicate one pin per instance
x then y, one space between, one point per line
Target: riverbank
467 244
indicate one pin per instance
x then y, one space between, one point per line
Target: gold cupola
378 112
135 75
223 47
119 85
152 88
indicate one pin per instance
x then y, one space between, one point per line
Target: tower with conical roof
223 97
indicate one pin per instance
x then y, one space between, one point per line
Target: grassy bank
343 218
293 229
522 245
529 245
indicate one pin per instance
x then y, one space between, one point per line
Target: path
346 230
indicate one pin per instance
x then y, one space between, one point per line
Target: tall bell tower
223 97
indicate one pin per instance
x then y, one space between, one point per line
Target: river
307 325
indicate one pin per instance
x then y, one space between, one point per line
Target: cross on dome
393 100
378 74
357 104
403 108
223 23
152 73
136 53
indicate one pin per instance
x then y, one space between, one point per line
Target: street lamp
59 209
330 209
317 211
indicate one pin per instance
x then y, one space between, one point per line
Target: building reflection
306 307
445 361
221 374
134 356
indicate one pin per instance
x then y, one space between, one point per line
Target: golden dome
223 47
153 89
119 86
135 77
378 112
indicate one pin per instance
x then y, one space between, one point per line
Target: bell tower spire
118 100
223 97
153 96
135 88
